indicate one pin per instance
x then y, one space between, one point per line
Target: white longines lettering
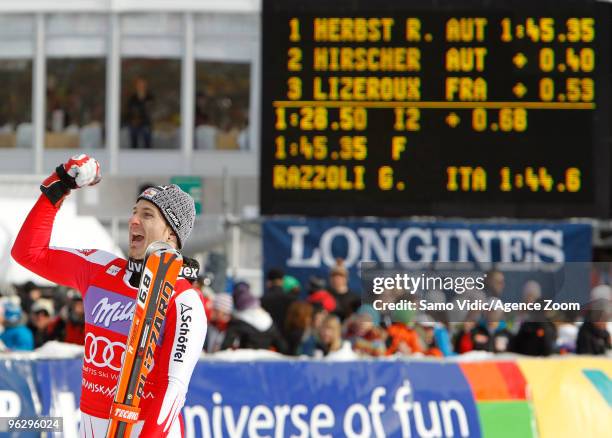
105 312
417 244
103 353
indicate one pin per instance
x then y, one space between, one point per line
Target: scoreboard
422 107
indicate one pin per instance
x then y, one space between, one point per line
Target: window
16 49
222 105
150 103
16 103
75 103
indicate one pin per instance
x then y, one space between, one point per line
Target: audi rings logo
104 353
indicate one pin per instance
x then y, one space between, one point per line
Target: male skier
109 285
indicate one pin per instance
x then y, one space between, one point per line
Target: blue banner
299 398
311 246
358 399
17 392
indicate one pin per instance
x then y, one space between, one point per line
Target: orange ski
161 269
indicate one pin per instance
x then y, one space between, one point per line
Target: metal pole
187 92
39 105
113 91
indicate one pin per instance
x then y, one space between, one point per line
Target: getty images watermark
458 292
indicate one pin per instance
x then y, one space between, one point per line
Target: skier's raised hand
79 171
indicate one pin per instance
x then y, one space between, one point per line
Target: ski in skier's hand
161 268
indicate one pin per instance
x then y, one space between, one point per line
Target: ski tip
159 246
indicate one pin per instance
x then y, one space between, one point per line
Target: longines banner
498 399
310 247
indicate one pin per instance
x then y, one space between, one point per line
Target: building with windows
154 90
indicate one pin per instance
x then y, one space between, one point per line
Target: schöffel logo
172 216
181 346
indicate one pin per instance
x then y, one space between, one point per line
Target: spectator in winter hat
251 326
363 330
29 293
275 300
593 336
403 338
274 279
291 285
323 298
41 316
16 336
315 283
537 336
346 300
500 335
435 336
532 292
190 271
69 325
601 292
426 327
495 283
8 290
221 314
463 339
600 302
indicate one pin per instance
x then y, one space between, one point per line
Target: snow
69 231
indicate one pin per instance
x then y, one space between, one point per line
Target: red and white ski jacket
109 302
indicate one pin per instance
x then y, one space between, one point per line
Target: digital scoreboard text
432 108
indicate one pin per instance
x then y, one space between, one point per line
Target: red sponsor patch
87 252
149 193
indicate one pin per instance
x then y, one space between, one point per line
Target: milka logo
104 312
415 244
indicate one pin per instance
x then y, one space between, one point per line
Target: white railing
119 6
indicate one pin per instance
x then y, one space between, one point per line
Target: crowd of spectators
325 319
30 316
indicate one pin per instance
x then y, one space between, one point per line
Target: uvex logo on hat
172 217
